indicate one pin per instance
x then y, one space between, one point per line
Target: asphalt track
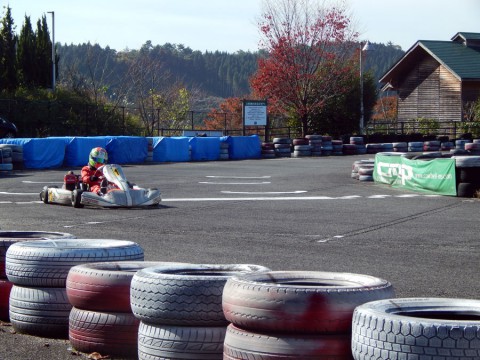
287 214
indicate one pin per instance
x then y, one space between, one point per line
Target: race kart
119 192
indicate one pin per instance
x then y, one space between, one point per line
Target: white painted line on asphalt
234 183
238 177
12 193
264 192
41 182
379 196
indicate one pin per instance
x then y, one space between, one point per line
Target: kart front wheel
76 197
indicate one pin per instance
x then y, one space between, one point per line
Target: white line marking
379 196
41 182
239 177
264 192
11 193
232 183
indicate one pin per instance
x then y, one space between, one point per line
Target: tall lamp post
366 47
53 50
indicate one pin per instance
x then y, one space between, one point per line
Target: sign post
254 113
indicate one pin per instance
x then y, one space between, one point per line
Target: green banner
433 176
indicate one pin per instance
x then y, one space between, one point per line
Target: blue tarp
44 153
243 147
127 149
171 149
78 149
205 148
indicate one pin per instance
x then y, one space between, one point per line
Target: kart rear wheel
76 197
44 195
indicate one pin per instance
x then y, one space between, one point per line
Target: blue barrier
55 152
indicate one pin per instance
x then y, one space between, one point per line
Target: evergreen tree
27 69
43 54
8 40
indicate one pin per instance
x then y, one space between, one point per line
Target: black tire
157 342
46 263
471 174
44 195
8 238
242 344
186 294
104 286
76 198
40 311
407 328
300 301
112 333
467 161
467 190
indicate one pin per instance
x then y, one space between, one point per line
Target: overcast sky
230 25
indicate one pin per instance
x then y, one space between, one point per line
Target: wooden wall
430 91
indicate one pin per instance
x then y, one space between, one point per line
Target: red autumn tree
385 108
228 116
310 50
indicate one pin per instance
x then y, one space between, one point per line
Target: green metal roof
461 60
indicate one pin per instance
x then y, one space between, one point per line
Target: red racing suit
87 173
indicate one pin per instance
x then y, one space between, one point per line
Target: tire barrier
253 345
101 319
8 238
362 168
38 269
327 147
467 169
282 147
5 158
224 154
112 333
180 309
349 149
46 263
295 314
337 147
430 328
41 311
315 142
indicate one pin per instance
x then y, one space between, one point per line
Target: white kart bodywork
120 193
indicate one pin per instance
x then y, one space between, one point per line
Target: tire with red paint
242 344
300 301
112 333
183 294
104 286
5 288
8 238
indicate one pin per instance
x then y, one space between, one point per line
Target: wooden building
435 79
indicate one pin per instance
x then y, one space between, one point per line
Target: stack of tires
39 268
432 145
101 319
224 154
467 169
8 238
415 146
180 309
349 149
282 147
473 148
447 146
337 147
268 150
315 142
361 164
301 148
5 158
327 146
400 147
295 314
374 148
358 141
149 157
460 144
417 328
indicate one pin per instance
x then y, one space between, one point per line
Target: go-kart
119 192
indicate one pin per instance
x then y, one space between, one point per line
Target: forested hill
218 74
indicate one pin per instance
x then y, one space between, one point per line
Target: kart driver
90 174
